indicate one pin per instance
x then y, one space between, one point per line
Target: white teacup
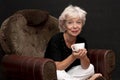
77 46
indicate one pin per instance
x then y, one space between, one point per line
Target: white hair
73 12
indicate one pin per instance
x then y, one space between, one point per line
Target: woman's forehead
73 17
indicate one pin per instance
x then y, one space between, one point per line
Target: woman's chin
74 35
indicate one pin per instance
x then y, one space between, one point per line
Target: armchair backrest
27 32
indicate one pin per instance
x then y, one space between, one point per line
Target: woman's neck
69 40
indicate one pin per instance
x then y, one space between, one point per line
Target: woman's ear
64 27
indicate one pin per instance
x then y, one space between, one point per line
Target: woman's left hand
81 53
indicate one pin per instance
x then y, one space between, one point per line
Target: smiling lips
74 31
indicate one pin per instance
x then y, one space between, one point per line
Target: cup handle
72 47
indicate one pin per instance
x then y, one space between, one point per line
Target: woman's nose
74 25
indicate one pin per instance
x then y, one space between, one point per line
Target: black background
102 27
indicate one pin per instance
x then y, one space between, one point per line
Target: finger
83 53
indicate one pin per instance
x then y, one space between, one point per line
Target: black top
58 51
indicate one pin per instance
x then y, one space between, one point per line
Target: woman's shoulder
81 39
57 37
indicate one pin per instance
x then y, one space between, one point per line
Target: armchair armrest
28 68
103 61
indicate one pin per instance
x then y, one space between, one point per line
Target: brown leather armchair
24 36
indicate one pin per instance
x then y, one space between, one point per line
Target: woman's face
73 26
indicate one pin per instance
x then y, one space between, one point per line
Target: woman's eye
69 22
79 22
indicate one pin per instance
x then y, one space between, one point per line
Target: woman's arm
82 55
85 62
65 63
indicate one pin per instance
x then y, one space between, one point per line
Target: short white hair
72 11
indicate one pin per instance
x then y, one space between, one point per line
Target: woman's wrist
73 56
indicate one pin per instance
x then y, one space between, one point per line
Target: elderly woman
71 65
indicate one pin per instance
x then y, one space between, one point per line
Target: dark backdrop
102 26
